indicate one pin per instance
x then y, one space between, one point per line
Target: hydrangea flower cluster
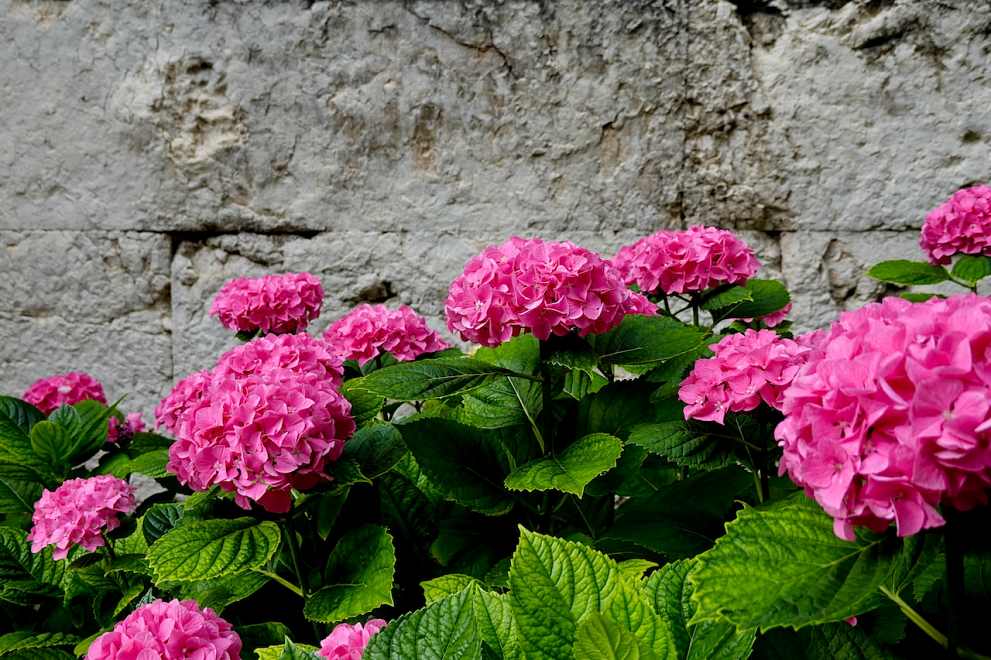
368 330
276 304
78 512
48 394
892 416
266 419
695 259
961 225
168 630
347 641
746 368
544 287
118 430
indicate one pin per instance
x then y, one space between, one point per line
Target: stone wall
150 150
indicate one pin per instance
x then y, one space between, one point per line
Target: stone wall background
151 150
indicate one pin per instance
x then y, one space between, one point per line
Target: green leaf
971 269
918 297
16 420
130 595
86 424
19 489
841 641
144 442
572 469
376 448
205 549
51 442
726 296
429 379
218 593
444 630
598 638
464 463
635 568
647 339
365 406
255 635
25 571
445 585
767 297
160 519
554 584
288 651
23 640
908 273
151 464
681 445
494 622
359 576
347 473
782 565
134 564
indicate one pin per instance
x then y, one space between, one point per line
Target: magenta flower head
347 641
961 225
265 420
891 416
118 430
168 630
745 369
78 512
544 287
369 330
695 259
48 394
275 304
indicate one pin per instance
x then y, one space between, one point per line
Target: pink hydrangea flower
276 304
48 394
168 630
891 416
118 430
773 319
265 420
745 369
544 287
368 330
695 259
347 641
961 225
78 512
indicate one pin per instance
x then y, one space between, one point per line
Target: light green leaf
494 622
506 401
86 424
782 565
359 575
647 339
376 448
51 442
365 406
635 568
766 297
572 469
151 464
726 296
971 269
677 442
288 651
598 638
429 379
205 549
444 630
218 593
23 640
130 595
908 273
445 585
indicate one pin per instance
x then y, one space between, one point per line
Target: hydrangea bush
628 457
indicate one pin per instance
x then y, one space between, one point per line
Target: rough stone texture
149 151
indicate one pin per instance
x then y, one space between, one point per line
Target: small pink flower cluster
48 394
118 430
265 420
368 330
78 512
745 369
348 642
276 304
892 416
545 287
168 630
961 225
695 259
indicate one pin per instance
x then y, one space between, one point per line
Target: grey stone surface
150 151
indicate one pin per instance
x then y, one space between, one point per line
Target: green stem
928 628
588 525
294 556
954 577
281 580
546 399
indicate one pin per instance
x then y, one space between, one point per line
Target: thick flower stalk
891 418
688 261
275 304
48 394
265 420
78 513
347 641
744 370
168 630
367 331
546 288
961 225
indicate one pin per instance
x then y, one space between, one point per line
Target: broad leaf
681 444
159 520
205 549
260 635
288 650
444 630
445 585
24 571
908 273
726 296
18 644
598 638
766 297
218 593
375 448
647 339
16 420
365 406
835 641
359 576
19 489
971 269
782 565
52 442
86 424
572 469
429 379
